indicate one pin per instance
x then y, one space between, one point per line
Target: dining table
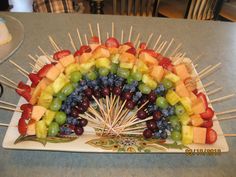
214 41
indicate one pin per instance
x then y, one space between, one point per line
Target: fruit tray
112 97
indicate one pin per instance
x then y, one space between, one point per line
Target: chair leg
187 8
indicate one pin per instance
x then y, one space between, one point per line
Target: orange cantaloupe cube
67 60
93 46
123 48
148 58
198 107
113 50
157 73
53 73
196 120
38 112
199 135
60 67
127 58
85 57
192 97
31 127
101 52
182 71
181 89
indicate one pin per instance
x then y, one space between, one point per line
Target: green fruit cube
49 117
45 99
41 129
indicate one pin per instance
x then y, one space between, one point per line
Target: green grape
137 76
56 104
76 76
114 68
174 121
167 83
179 110
60 118
68 89
61 96
103 71
161 102
176 135
144 89
122 72
92 75
53 129
129 80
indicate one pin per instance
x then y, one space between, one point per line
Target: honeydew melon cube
67 60
199 135
59 83
172 97
149 81
38 112
172 77
41 129
187 134
103 63
49 117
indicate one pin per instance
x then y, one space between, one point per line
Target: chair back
136 7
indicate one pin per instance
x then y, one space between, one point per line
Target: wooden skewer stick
7 103
138 43
167 48
9 80
122 36
86 39
197 58
99 34
22 73
79 36
34 68
10 109
16 65
225 118
222 98
72 42
204 70
176 50
208 84
149 39
136 39
54 43
112 29
196 65
4 125
203 75
230 135
107 35
226 112
162 47
91 30
130 33
38 62
45 54
214 91
157 41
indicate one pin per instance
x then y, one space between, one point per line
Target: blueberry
157 134
165 112
164 135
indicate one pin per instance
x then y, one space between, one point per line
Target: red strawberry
43 71
26 105
204 99
23 87
208 114
211 136
26 114
143 45
112 42
207 124
94 40
129 44
61 54
35 79
150 52
166 63
22 126
131 50
195 92
83 49
24 90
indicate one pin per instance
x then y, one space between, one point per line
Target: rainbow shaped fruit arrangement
118 90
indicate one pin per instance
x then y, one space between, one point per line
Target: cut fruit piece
187 104
196 120
172 77
103 63
43 71
149 81
41 129
60 54
192 97
31 127
203 98
181 90
112 42
211 136
181 71
53 73
49 117
84 57
71 68
198 107
22 126
141 67
208 114
127 58
85 67
199 135
45 99
184 119
172 97
147 58
126 65
157 73
207 124
101 52
123 48
65 61
60 67
60 82
38 112
187 134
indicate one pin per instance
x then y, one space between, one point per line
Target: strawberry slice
207 124
131 50
211 136
35 79
26 114
94 40
25 106
83 49
129 44
60 54
43 71
208 114
166 63
24 90
195 91
112 42
150 52
143 45
204 99
22 126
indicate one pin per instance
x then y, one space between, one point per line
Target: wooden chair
136 7
203 9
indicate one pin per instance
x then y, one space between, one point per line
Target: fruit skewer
72 42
